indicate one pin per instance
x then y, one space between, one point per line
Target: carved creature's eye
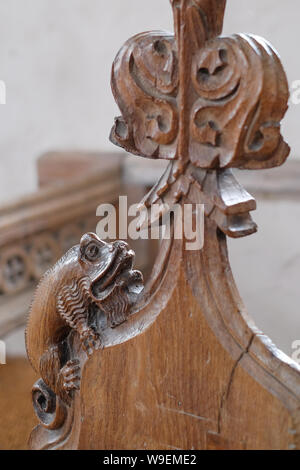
92 252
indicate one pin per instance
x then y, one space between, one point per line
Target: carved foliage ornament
233 93
200 99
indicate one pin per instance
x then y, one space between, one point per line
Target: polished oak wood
177 364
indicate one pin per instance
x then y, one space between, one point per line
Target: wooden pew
179 364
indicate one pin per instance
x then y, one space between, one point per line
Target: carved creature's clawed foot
90 341
69 380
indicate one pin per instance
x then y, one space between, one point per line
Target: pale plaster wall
266 267
55 57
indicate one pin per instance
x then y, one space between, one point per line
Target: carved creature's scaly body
93 273
53 328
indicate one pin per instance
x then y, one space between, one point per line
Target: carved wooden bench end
177 364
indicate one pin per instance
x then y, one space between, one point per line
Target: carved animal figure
92 277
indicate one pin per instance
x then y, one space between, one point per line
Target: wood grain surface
16 417
187 368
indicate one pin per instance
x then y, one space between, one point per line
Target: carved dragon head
112 283
98 274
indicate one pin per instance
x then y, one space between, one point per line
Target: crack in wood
228 388
185 413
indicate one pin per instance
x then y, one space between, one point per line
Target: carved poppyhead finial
200 99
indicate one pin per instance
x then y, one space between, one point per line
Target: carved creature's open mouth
118 273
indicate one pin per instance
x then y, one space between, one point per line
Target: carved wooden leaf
242 96
145 85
